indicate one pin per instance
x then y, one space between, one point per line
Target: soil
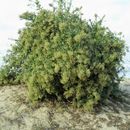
16 113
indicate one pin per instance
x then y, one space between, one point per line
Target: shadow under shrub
62 56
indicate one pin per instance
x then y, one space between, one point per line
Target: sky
117 18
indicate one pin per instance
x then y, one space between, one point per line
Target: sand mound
17 114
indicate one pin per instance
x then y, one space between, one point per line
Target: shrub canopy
59 55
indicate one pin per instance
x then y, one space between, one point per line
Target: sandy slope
17 114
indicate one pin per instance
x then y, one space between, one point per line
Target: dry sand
17 114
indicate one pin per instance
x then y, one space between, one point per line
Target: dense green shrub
59 55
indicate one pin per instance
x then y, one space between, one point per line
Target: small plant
61 56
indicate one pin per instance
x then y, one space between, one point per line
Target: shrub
61 56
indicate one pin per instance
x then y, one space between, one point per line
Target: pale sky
117 18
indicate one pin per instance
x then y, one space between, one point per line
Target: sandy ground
17 114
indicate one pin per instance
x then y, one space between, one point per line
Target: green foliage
58 55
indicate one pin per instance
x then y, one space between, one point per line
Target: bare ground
17 114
